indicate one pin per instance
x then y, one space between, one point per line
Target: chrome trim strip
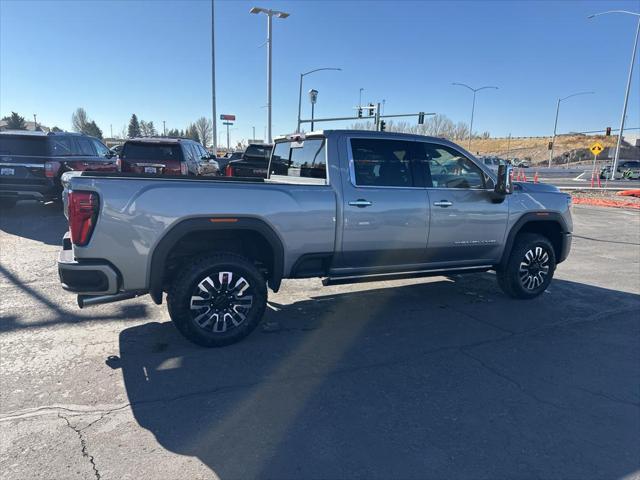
434 270
17 164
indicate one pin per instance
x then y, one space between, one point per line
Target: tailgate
22 170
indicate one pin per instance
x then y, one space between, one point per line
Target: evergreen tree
15 122
92 129
134 127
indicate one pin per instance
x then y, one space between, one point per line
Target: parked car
166 156
253 164
31 163
516 162
351 206
626 169
116 149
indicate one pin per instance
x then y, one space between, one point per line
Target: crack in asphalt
83 443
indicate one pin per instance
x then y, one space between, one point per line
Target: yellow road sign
596 148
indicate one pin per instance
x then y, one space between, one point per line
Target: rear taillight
184 170
51 169
83 213
228 171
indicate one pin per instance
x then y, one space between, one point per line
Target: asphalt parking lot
435 378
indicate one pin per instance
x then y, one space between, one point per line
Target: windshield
151 151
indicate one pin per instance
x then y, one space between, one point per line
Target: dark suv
166 156
31 163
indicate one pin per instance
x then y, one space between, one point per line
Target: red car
166 156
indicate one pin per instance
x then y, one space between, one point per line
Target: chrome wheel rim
534 268
221 302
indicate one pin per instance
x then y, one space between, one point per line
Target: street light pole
473 106
626 94
213 83
302 75
555 125
360 97
164 128
35 122
269 13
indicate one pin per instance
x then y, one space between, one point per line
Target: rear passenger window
62 147
383 163
304 160
84 144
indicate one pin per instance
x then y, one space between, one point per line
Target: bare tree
79 120
460 131
204 127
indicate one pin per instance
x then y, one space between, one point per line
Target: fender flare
529 217
176 233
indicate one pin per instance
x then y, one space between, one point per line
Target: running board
399 276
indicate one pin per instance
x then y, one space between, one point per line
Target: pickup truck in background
253 163
32 163
350 206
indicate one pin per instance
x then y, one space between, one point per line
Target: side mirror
503 186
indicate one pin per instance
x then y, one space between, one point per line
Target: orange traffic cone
524 176
592 178
535 178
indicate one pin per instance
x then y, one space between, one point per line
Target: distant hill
568 148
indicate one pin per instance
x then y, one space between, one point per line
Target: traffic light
420 118
371 110
608 132
383 125
359 113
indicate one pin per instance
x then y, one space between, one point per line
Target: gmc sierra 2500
352 206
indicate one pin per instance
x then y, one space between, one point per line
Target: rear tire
530 267
217 300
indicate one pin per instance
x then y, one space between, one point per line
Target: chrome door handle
360 203
443 203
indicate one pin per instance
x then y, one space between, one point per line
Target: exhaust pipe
90 300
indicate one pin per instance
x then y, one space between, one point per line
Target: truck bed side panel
135 214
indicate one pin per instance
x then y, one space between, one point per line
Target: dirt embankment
568 148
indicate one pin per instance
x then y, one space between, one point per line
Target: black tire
232 304
530 267
7 203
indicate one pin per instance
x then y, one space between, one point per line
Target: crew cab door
385 215
466 226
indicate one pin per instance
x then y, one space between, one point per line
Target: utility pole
164 128
35 122
360 97
111 129
213 83
254 133
227 124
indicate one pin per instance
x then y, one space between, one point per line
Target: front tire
530 267
217 300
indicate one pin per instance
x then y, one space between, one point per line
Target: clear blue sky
115 58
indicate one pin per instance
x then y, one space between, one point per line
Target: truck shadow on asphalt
56 314
32 220
447 379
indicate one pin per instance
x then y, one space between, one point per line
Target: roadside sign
227 123
596 148
228 117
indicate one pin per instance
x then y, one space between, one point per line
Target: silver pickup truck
348 206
